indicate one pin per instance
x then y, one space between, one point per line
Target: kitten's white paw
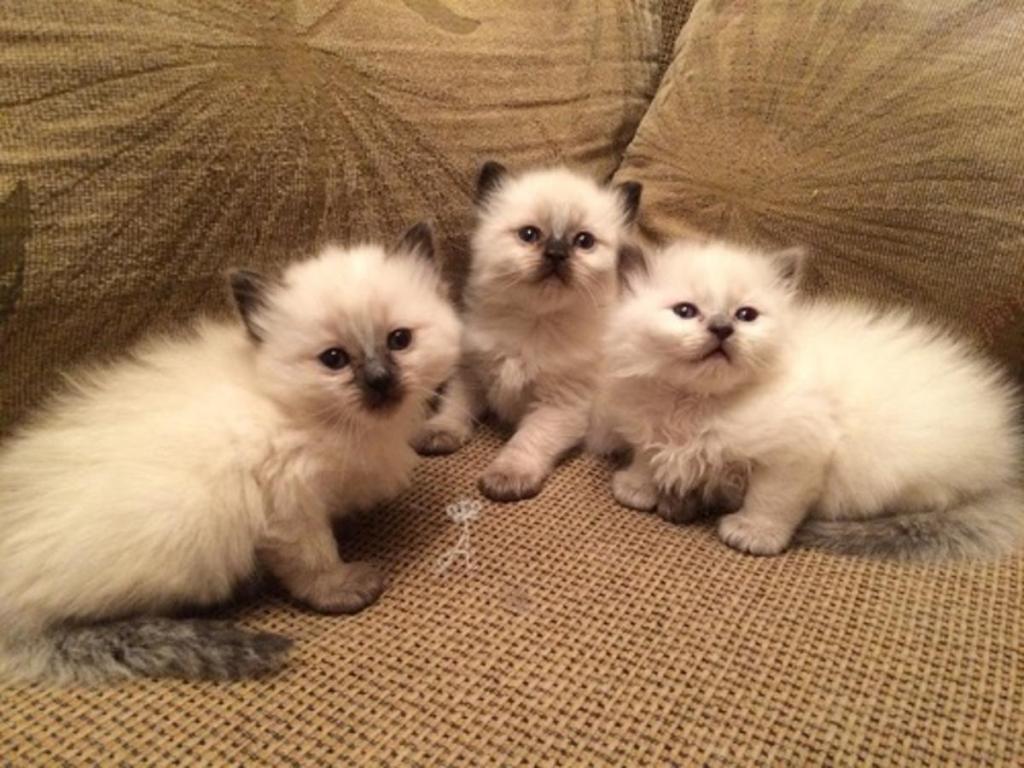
633 492
347 590
503 482
438 441
755 537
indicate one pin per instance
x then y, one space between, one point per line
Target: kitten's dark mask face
708 318
550 236
375 375
717 331
557 256
352 337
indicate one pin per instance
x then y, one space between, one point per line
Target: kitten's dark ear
249 290
630 192
489 178
632 266
789 263
419 241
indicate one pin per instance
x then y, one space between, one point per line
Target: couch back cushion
145 147
888 137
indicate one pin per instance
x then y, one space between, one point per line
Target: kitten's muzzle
720 328
380 385
556 250
556 260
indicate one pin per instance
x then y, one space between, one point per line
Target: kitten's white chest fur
355 479
519 359
686 440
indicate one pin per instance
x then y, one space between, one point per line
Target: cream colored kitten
164 480
545 256
848 427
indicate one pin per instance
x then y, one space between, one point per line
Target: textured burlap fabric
159 142
586 633
884 136
674 13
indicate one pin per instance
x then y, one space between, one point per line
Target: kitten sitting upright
545 256
164 480
850 428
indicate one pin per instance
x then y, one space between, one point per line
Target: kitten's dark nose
723 330
378 379
556 251
379 383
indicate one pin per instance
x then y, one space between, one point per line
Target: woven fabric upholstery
586 633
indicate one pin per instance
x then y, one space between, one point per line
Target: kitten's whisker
589 283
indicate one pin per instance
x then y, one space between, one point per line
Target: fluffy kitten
545 256
164 480
848 427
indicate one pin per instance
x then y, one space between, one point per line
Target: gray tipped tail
980 528
189 649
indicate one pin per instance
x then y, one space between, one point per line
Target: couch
147 145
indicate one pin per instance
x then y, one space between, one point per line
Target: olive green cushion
887 137
154 144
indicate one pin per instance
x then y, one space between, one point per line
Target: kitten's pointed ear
488 179
630 192
789 263
632 266
249 290
419 241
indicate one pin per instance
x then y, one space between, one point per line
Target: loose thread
462 513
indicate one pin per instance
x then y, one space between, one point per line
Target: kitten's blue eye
747 314
686 310
400 338
529 234
584 240
334 358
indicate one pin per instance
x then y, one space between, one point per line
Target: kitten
832 422
545 256
166 479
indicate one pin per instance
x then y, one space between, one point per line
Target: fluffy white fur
853 428
165 479
532 335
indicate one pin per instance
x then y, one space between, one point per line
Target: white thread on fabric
462 513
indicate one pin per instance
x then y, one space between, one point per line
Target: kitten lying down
164 480
545 256
828 423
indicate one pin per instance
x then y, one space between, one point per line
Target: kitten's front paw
633 492
755 537
349 589
438 441
506 483
675 508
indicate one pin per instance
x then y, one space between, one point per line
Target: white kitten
164 480
545 256
852 428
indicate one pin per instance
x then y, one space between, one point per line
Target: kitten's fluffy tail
190 649
981 528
